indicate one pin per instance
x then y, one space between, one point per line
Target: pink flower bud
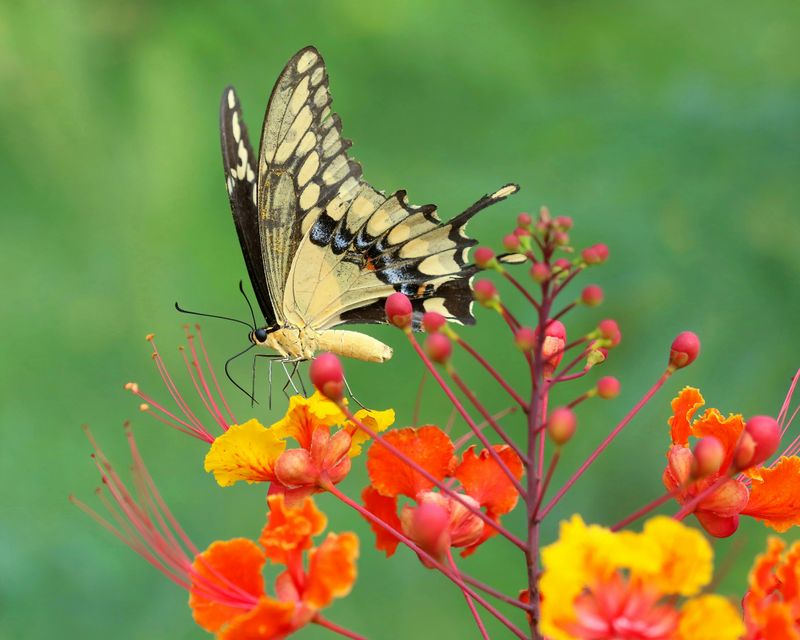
521 233
609 330
766 434
709 453
684 350
592 295
564 222
524 220
563 264
525 338
561 238
511 242
429 526
602 251
561 425
327 375
484 257
590 256
485 292
540 272
438 347
745 451
432 321
555 339
399 310
608 387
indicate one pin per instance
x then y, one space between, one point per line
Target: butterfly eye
259 335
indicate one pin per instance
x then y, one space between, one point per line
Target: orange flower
437 521
770 494
289 530
772 603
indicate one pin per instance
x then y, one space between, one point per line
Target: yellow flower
247 452
710 617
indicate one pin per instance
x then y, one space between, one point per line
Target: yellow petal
306 415
710 617
376 420
244 452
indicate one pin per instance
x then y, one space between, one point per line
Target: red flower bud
429 526
561 238
561 425
564 222
555 339
766 434
540 272
590 256
709 453
592 295
432 321
399 310
327 375
745 451
438 347
484 257
563 264
684 350
485 292
609 330
520 232
525 338
602 251
511 242
524 220
608 387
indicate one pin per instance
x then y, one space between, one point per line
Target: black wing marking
240 181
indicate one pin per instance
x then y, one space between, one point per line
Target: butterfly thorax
293 343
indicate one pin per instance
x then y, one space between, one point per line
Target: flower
436 521
772 603
600 584
227 593
768 493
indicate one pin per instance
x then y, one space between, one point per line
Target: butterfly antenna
247 300
236 384
211 315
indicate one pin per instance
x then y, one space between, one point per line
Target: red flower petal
484 480
684 407
429 447
385 509
775 498
269 620
331 570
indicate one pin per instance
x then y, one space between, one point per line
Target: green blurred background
670 131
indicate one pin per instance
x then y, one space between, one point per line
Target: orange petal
305 416
775 500
385 509
220 569
429 447
726 430
331 570
244 452
762 576
269 620
789 576
774 621
679 467
684 407
484 480
290 529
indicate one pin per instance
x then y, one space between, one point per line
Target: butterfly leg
352 395
289 376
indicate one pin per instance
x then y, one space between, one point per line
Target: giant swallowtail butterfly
323 247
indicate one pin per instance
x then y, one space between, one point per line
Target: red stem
548 477
521 289
492 371
322 622
644 510
470 603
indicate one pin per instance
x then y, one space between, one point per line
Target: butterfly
324 248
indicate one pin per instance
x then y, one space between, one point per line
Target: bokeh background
670 131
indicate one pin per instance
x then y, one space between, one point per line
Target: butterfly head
259 336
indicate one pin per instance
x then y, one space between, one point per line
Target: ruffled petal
269 620
684 407
385 509
726 430
289 530
429 447
244 452
484 480
710 617
331 570
775 497
306 415
218 571
376 420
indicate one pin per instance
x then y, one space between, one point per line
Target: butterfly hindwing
240 180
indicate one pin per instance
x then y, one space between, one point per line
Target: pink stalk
578 400
650 506
169 418
172 388
205 395
468 436
785 407
521 289
582 469
322 622
492 371
213 375
563 312
494 592
574 376
378 438
371 517
470 603
547 478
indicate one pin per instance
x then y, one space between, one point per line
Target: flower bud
438 347
399 310
519 232
590 256
744 452
432 321
709 453
595 357
525 338
484 257
485 292
766 434
511 242
601 250
563 264
429 526
524 220
592 295
564 222
327 375
684 350
555 339
561 238
561 425
540 272
609 330
608 387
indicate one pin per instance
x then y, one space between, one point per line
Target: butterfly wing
240 180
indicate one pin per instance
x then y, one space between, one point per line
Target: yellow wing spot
306 61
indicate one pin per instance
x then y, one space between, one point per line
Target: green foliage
668 130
